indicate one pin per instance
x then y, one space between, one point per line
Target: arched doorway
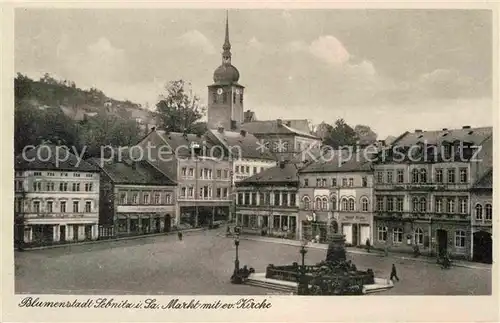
482 247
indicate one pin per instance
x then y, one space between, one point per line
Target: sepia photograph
251 152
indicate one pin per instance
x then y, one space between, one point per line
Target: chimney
466 127
418 130
279 122
220 129
445 129
243 133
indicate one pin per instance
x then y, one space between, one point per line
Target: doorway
75 232
442 240
62 233
168 223
355 232
482 249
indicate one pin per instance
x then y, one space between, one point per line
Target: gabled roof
180 143
288 174
274 127
437 137
52 157
245 143
132 172
486 181
338 161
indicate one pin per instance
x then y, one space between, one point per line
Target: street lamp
303 284
303 251
235 278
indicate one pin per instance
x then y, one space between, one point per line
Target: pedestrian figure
368 245
394 273
179 235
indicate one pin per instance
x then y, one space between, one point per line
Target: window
389 176
135 197
344 181
400 174
334 182
88 187
63 187
463 175
460 239
415 204
255 170
285 146
234 98
76 175
399 204
364 204
351 182
88 175
241 98
439 175
146 198
306 182
318 182
123 198
190 192
451 205
157 198
382 233
414 175
464 205
380 203
63 206
88 206
380 177
334 203
390 203
49 206
36 206
37 186
397 235
418 236
225 192
479 212
184 171
247 169
364 181
50 186
37 173
168 198
292 199
254 198
323 182
324 204
73 187
237 169
318 203
240 198
225 173
219 173
224 97
488 211
306 202
76 206
423 204
345 204
439 205
451 175
276 198
218 192
423 175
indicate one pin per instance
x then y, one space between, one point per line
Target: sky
393 70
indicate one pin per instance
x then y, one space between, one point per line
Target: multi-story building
336 195
482 218
200 169
247 157
267 202
56 196
423 187
136 198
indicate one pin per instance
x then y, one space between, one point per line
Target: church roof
274 127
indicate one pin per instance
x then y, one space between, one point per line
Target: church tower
225 95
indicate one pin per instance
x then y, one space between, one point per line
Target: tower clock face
219 91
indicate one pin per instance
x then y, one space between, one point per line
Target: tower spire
226 54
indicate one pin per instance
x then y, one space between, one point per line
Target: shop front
356 228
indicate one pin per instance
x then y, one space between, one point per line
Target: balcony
423 187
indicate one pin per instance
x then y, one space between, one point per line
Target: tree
179 110
365 135
341 134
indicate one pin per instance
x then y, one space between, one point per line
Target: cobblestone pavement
202 263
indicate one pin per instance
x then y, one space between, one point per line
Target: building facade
136 198
423 190
267 202
482 218
336 196
56 197
201 171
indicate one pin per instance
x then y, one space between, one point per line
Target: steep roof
486 181
287 174
274 127
437 137
52 157
338 161
132 172
180 143
245 143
